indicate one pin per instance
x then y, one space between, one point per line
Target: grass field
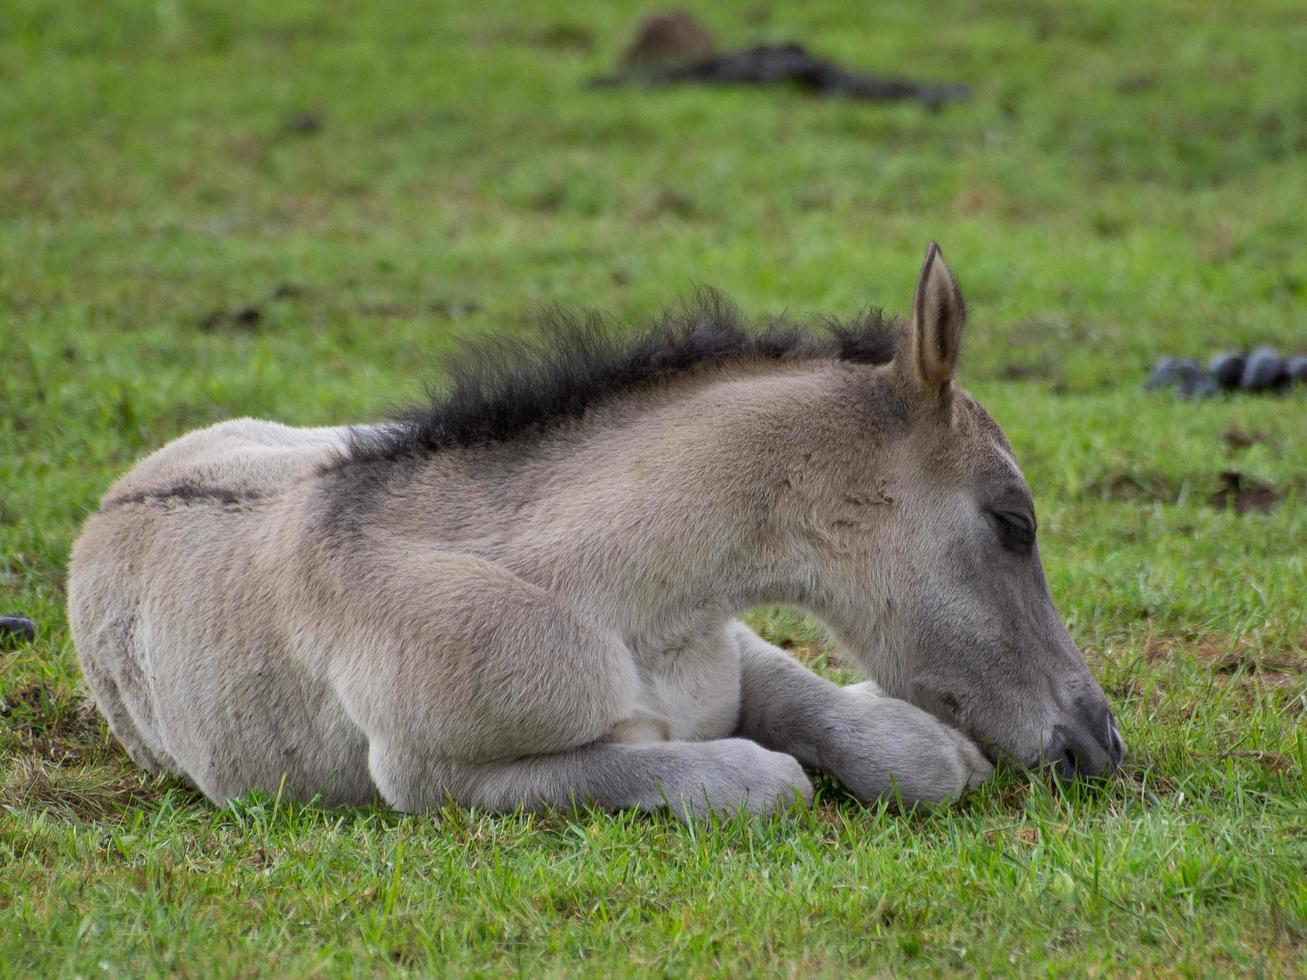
292 209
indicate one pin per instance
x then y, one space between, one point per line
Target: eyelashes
1015 531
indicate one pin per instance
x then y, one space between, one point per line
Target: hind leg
692 778
104 691
114 679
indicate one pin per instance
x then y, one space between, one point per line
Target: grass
1129 180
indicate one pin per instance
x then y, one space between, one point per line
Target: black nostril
1066 765
1094 741
1073 752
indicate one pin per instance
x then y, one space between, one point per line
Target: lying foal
526 594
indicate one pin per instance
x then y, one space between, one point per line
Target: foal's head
964 625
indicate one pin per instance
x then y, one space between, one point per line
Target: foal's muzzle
1088 746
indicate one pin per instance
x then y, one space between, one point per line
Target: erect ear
936 332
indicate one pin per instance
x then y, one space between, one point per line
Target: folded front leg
877 747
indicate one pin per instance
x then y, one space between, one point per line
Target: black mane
503 388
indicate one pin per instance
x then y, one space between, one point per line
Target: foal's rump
174 607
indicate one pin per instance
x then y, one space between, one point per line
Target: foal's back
245 458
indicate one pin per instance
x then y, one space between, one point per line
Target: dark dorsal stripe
185 493
502 389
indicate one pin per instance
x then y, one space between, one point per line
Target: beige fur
552 620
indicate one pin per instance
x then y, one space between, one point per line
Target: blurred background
370 178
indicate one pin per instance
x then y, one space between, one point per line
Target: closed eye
1016 531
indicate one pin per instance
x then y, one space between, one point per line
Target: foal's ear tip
932 250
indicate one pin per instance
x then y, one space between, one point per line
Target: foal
526 594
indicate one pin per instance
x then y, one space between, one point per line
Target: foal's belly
689 692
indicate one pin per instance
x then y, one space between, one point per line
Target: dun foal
525 594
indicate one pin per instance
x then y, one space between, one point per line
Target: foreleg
877 747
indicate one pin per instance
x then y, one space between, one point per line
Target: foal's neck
696 501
